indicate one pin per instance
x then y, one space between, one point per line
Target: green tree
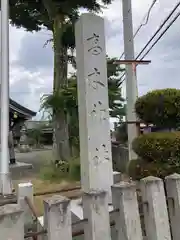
67 100
57 16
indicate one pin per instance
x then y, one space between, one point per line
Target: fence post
26 190
11 222
124 199
173 197
57 218
95 210
155 209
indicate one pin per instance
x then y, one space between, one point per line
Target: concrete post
155 209
11 222
95 210
95 139
131 80
57 218
173 196
25 190
128 219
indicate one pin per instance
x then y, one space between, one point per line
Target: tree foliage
66 100
114 71
159 152
158 146
34 15
160 107
140 168
59 17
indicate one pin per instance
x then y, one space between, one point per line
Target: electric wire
146 19
159 29
162 34
154 35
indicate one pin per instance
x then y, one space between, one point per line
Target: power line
162 34
157 31
146 19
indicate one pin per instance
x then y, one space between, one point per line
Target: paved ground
37 158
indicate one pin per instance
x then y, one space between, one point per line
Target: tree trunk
61 136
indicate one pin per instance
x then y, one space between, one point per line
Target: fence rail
157 217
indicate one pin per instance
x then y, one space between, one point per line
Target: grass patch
69 171
52 173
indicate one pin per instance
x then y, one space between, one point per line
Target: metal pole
131 81
5 176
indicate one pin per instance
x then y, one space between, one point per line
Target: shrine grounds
40 159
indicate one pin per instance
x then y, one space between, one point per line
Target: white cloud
31 64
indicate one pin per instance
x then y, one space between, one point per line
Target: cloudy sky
31 64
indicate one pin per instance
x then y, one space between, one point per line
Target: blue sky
31 65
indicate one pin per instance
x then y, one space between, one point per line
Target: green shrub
139 168
160 107
158 147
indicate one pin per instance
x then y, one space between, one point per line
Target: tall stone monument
95 140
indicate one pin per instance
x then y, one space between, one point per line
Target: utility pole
131 81
4 161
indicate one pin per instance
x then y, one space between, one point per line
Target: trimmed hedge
158 147
139 169
160 107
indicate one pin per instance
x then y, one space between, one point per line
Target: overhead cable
162 34
157 31
143 22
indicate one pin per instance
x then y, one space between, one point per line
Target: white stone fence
160 204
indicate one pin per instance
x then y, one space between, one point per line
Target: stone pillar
173 197
11 222
26 190
128 224
155 209
57 218
95 210
95 140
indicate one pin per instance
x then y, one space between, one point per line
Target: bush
139 169
158 147
160 107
